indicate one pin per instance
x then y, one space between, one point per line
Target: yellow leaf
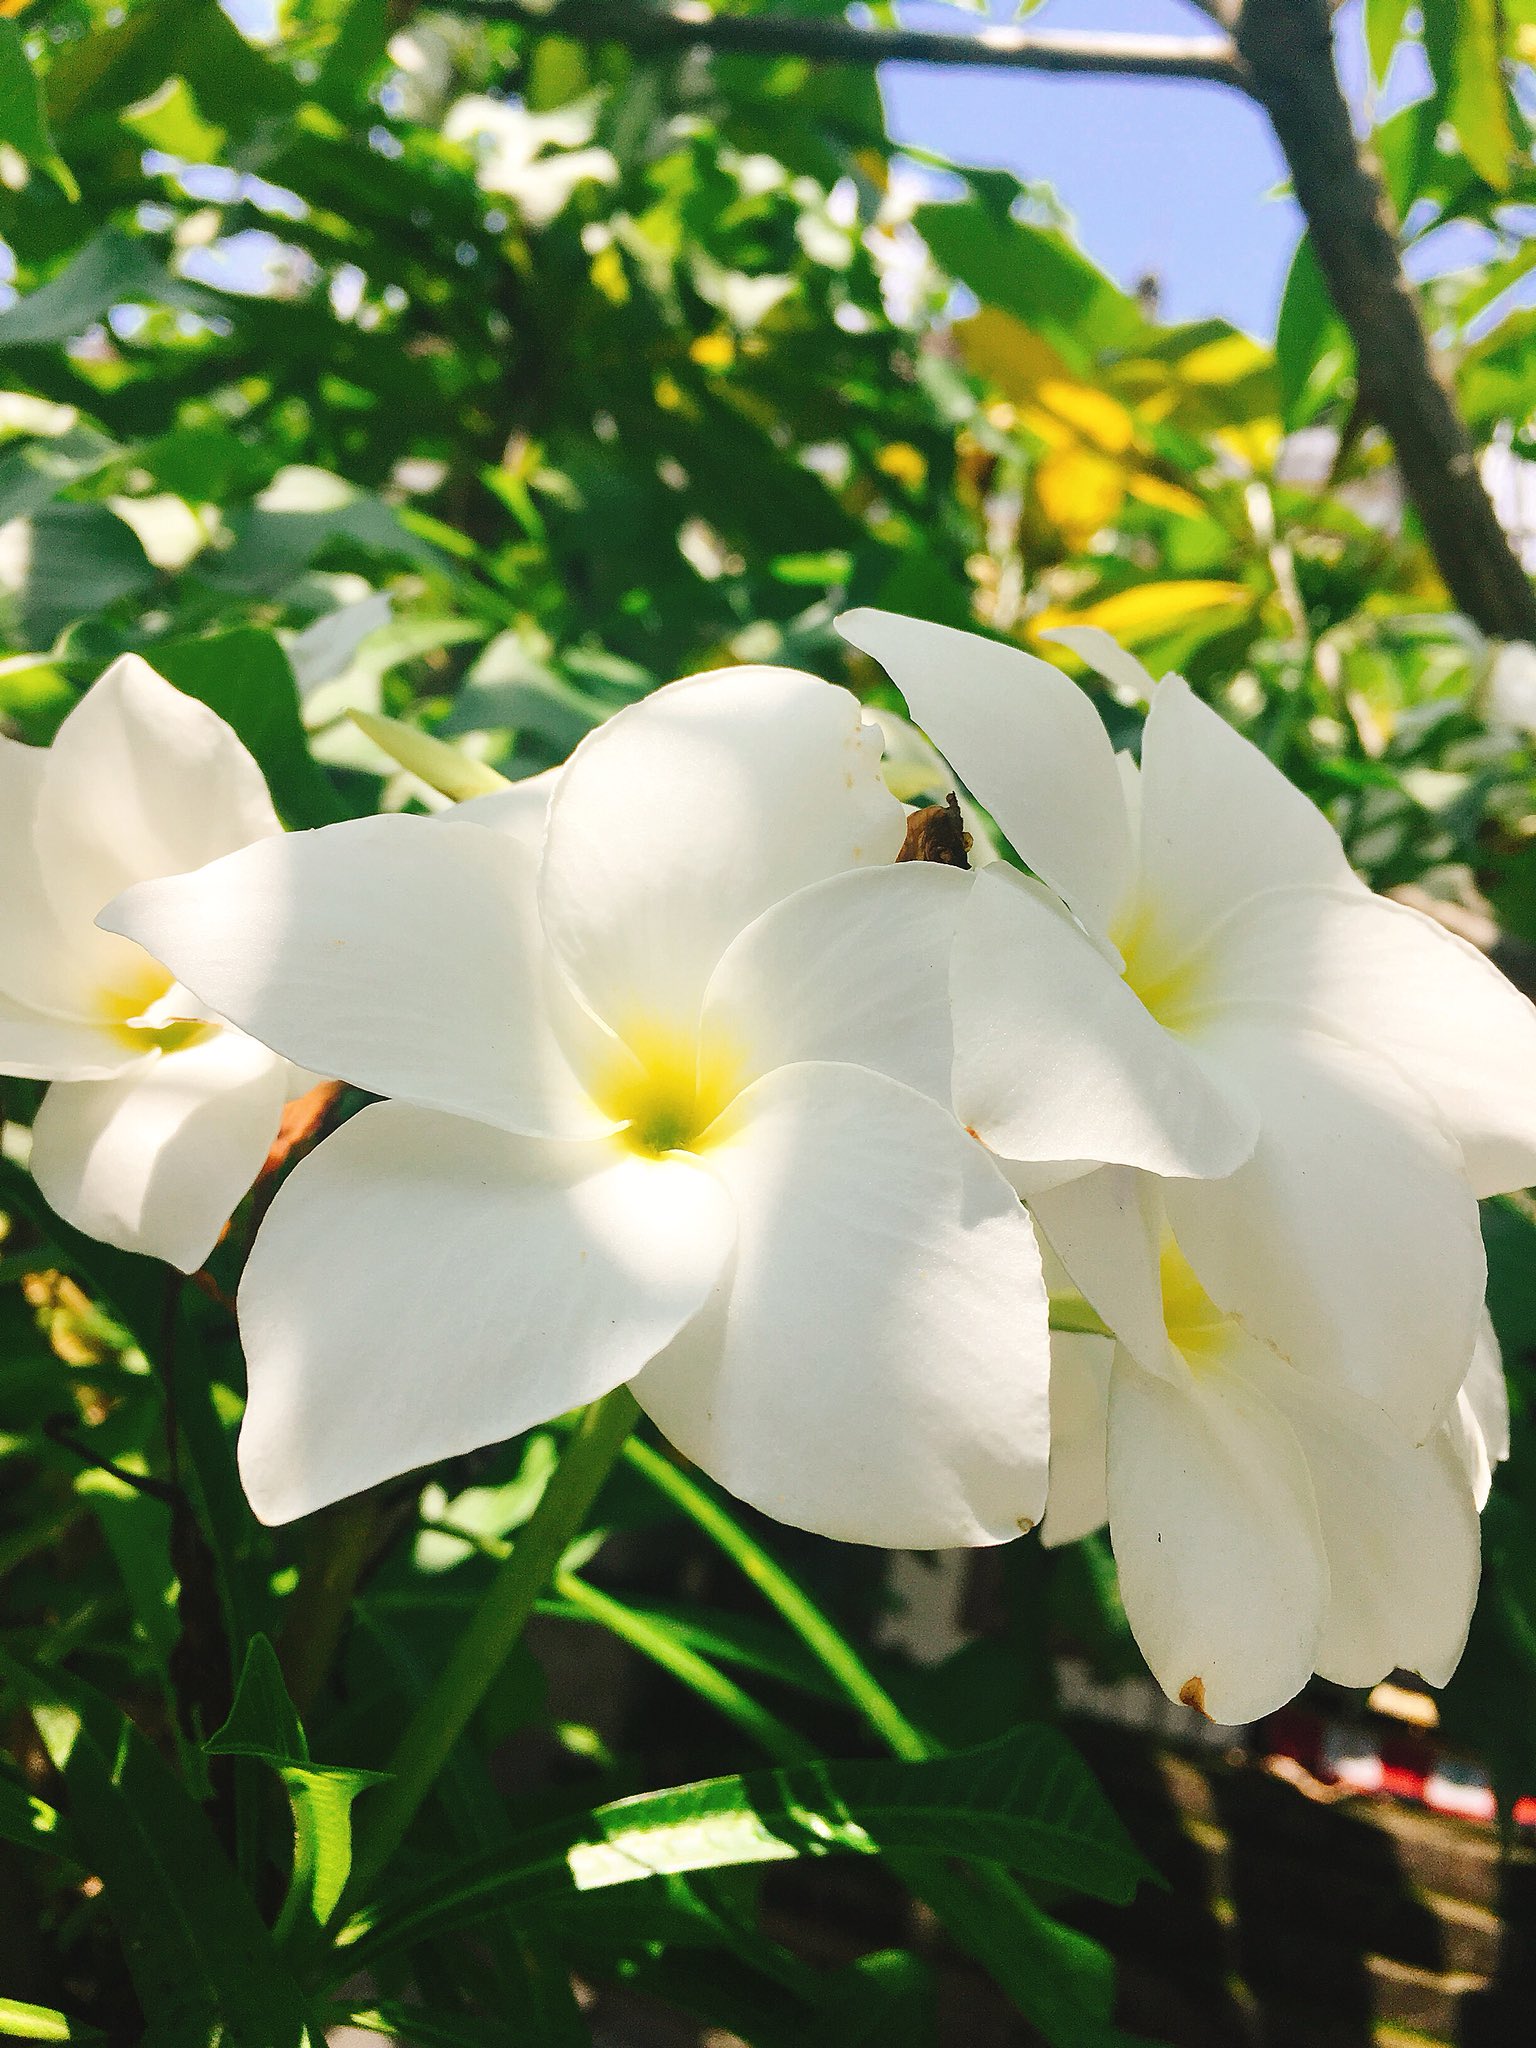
1079 491
1149 610
1224 361
1255 445
713 351
608 275
1044 426
1013 356
1096 416
1153 490
899 459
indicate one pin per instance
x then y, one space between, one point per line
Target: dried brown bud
938 834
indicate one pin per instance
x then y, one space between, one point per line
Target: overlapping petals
681 1084
1266 1523
1325 1080
160 1116
424 1284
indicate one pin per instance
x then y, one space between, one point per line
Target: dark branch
679 25
1288 45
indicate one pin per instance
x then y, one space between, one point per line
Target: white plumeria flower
536 160
1327 1079
160 1114
1264 1526
669 1107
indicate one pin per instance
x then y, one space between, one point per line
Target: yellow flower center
1196 1326
668 1092
1171 988
131 1007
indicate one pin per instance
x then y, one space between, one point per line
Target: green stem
775 1737
1070 1313
337 1549
832 1649
492 1635
986 1910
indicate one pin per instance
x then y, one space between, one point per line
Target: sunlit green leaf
194 1943
1026 1801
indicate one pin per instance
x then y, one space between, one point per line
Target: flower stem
832 1650
1058 1978
661 1646
493 1633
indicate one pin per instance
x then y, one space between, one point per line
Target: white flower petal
39 1046
1217 1540
1392 979
520 810
1077 1502
1056 1058
1479 1425
1400 1528
854 969
156 1160
1031 1177
1106 1230
1103 653
41 967
1350 1239
1028 744
423 1285
687 815
401 954
141 780
1219 822
876 1367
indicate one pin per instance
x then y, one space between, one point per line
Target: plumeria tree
710 871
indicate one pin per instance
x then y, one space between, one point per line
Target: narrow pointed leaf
197 1951
1027 1801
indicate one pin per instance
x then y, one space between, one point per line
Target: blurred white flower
1509 689
535 160
1265 1526
1327 1079
160 1114
670 1071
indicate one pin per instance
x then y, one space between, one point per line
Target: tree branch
1288 47
1282 55
688 24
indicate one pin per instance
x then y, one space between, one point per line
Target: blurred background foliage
431 362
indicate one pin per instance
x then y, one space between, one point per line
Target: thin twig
60 1430
681 25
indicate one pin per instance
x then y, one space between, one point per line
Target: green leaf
1027 1801
1384 21
244 675
264 1723
1032 272
112 66
23 121
30 1822
34 473
20 2022
169 120
1461 40
1312 346
199 1955
71 562
111 270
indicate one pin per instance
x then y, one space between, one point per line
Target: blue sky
1178 180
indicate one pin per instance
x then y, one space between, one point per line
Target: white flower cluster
690 1084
